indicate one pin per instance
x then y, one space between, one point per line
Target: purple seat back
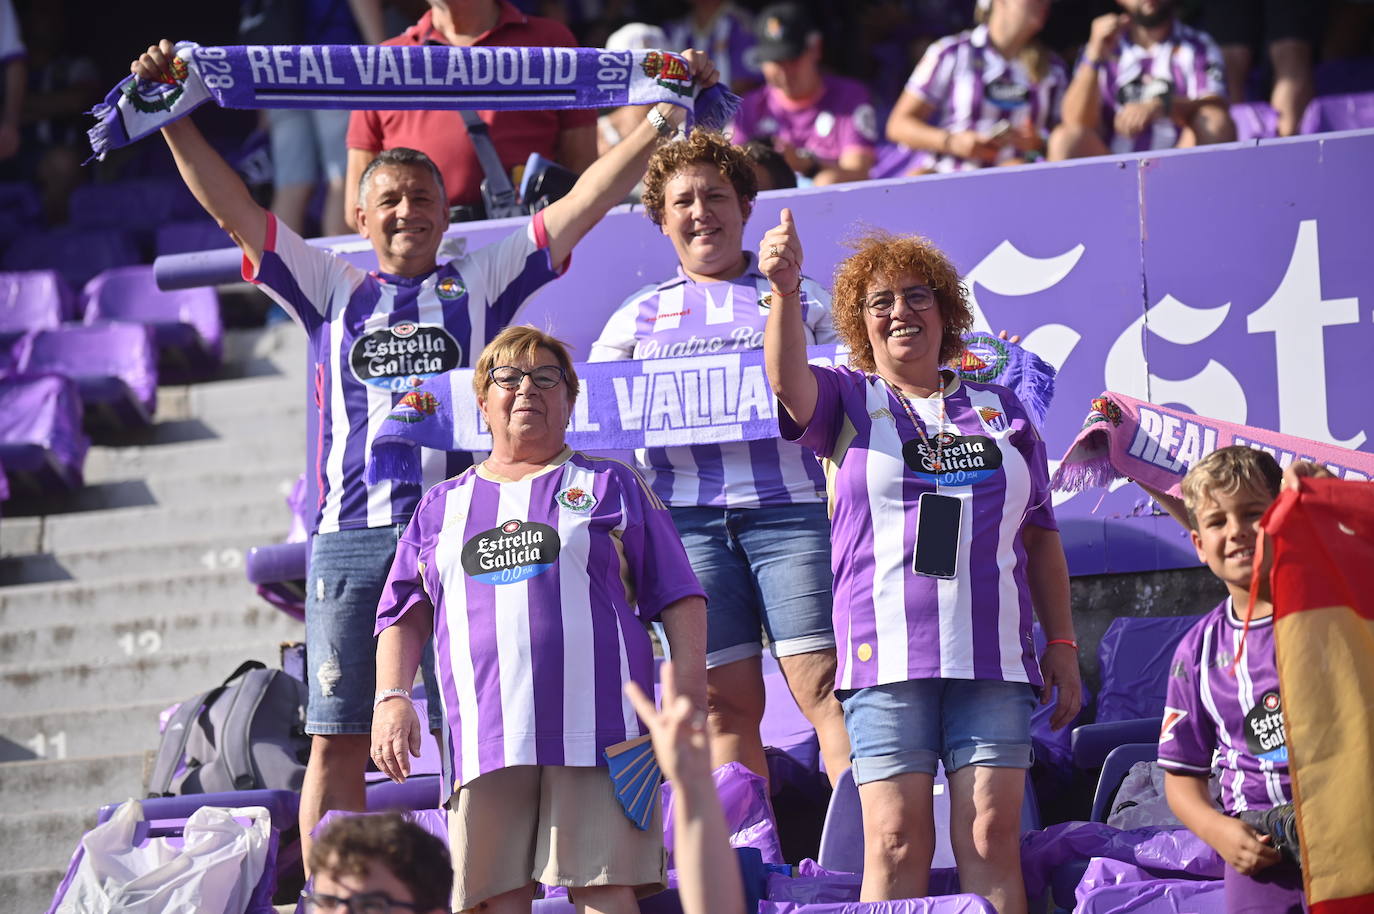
95 356
1255 120
21 209
940 904
40 429
784 726
1338 112
33 300
140 203
76 253
189 235
1133 658
131 294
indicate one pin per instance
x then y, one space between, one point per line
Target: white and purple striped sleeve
618 337
405 589
657 560
300 277
1209 72
823 430
934 74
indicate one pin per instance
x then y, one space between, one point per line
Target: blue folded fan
635 775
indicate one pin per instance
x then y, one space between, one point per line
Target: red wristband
1072 644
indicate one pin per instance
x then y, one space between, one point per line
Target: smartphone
938 522
999 130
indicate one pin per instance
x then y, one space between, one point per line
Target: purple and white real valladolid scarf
356 77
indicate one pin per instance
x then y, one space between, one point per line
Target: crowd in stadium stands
988 86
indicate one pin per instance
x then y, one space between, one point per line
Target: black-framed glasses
917 298
364 903
510 377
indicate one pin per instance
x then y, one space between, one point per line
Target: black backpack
271 21
246 734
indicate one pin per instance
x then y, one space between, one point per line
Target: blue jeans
910 726
343 586
764 570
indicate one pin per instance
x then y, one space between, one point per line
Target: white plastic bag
214 872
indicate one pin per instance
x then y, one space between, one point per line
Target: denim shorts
343 586
910 726
306 143
765 571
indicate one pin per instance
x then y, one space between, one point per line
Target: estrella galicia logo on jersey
513 552
404 355
1264 734
963 460
576 499
1007 94
450 288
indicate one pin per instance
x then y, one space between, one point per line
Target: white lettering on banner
387 70
310 68
1286 459
711 397
330 77
1297 315
582 418
259 63
283 63
1171 442
365 60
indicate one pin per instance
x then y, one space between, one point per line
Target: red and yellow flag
1323 591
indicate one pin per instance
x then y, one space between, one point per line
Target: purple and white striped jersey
684 317
538 588
973 87
1187 64
891 624
374 336
1235 718
728 40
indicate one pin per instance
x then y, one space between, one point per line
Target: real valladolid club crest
576 499
994 419
669 71
415 406
983 359
150 97
1103 410
450 288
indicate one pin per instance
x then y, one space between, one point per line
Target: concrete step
30 890
118 729
145 636
278 349
189 487
216 400
83 782
150 523
68 686
104 464
42 840
78 602
221 552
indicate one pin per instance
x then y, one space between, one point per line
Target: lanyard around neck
939 449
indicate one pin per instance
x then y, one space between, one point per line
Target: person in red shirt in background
567 137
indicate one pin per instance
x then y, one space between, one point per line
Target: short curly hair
878 253
701 147
356 845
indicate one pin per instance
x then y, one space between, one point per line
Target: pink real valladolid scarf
1128 438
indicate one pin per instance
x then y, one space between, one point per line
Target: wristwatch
661 124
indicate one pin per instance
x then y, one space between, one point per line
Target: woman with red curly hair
944 545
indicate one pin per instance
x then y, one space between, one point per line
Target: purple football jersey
973 87
841 118
892 624
373 337
1232 716
1187 63
684 317
538 589
728 40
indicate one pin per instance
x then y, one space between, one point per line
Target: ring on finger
773 250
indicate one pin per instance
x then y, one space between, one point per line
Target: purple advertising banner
1233 281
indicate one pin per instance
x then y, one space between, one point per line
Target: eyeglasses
917 299
510 377
366 903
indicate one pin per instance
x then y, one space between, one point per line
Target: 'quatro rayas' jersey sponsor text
683 317
1236 719
538 589
374 338
891 624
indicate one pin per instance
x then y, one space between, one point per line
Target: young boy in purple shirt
1223 699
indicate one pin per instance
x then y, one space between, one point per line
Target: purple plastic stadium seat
76 253
1255 121
1114 770
41 442
186 323
1134 657
21 209
278 571
1338 112
138 203
33 300
114 365
188 236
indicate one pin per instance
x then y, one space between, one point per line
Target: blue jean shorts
765 571
306 143
911 726
343 586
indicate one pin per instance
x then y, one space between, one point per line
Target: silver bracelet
660 123
389 693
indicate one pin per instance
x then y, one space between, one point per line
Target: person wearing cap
987 96
726 33
823 124
613 124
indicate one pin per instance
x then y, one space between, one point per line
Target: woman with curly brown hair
752 514
944 544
